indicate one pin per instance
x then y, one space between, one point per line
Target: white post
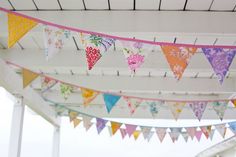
16 129
56 142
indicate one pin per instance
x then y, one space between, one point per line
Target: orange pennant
136 134
178 58
234 102
114 127
17 27
73 115
88 95
28 77
76 122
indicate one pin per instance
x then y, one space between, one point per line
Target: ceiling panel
223 5
47 4
96 4
5 4
198 4
72 4
121 4
147 4
23 4
172 4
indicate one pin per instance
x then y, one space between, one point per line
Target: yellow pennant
234 102
136 134
72 115
76 122
88 95
114 127
28 77
17 27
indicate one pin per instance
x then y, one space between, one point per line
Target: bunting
234 102
161 133
220 108
54 40
146 131
73 115
130 129
220 60
191 131
47 83
18 26
123 132
115 126
87 122
221 129
178 58
198 135
133 103
198 108
110 131
174 134
66 90
136 134
154 107
185 136
28 77
212 134
110 101
76 122
135 53
232 126
88 95
101 124
206 130
149 136
176 108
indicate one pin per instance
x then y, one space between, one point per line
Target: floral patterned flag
133 103
95 46
54 40
146 131
130 129
135 53
88 95
232 127
73 115
220 107
174 134
87 122
212 134
47 83
206 130
18 26
198 135
221 129
178 58
110 101
185 136
136 134
176 108
154 107
198 108
123 132
191 131
101 123
115 126
66 90
76 122
161 133
220 60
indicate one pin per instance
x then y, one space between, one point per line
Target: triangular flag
198 108
95 46
110 101
212 134
136 134
146 131
176 108
66 90
130 129
174 134
73 115
185 136
101 123
135 53
47 83
234 102
88 95
133 103
191 131
87 122
206 130
220 60
232 127
220 107
178 58
109 130
161 133
154 107
28 77
198 135
123 132
76 122
150 136
221 129
17 27
115 126
54 40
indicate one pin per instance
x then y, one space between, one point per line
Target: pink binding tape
112 36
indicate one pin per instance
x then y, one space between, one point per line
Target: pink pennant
198 108
123 132
161 133
130 129
191 131
198 135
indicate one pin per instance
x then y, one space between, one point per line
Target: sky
76 142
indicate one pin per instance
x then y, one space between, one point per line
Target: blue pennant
110 101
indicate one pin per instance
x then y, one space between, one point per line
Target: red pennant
93 55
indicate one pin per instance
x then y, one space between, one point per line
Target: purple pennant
220 60
198 108
130 129
101 123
